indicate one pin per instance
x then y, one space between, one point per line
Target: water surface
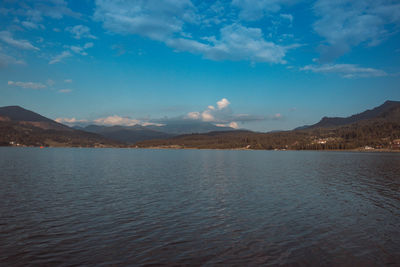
71 206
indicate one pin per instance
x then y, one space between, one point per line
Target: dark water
198 207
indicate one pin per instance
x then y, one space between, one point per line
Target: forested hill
385 108
21 127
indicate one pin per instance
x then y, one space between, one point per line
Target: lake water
71 206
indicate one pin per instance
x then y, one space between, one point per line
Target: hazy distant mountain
137 133
188 127
387 108
24 127
127 134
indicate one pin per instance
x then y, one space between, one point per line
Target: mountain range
378 127
25 127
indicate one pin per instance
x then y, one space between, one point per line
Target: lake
72 206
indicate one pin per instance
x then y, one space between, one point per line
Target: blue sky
262 65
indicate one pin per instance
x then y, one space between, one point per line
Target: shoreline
251 149
195 148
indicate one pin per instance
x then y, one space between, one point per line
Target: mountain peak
17 113
384 109
20 115
391 101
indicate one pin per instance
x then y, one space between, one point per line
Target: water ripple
121 207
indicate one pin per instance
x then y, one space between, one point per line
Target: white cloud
212 114
29 25
80 31
27 85
50 82
152 18
70 121
116 120
207 115
254 10
194 115
34 11
178 25
345 24
60 57
107 121
65 91
233 125
68 81
345 70
223 116
7 37
6 60
236 42
288 17
151 124
81 49
223 103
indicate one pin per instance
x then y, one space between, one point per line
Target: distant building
319 141
396 144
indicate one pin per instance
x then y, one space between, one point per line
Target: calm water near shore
71 206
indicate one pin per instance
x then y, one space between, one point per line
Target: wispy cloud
68 81
65 91
30 24
80 31
345 24
236 42
7 38
288 17
345 70
114 120
81 49
254 10
27 85
178 25
60 57
35 11
277 116
50 82
70 121
6 60
157 20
